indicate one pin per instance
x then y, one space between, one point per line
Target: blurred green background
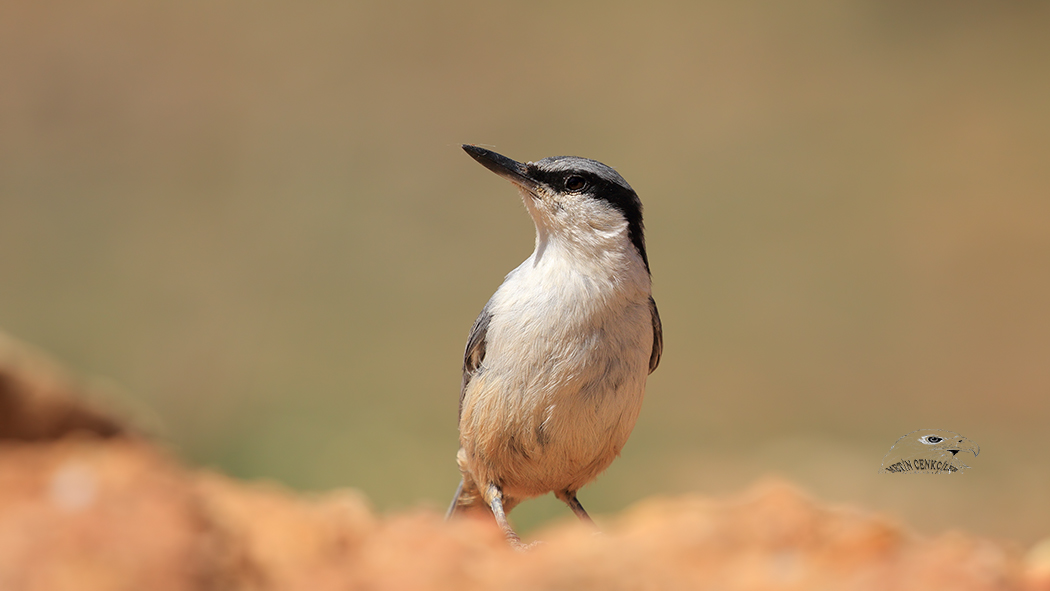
254 217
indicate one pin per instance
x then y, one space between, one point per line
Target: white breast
562 381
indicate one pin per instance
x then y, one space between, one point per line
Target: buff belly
563 418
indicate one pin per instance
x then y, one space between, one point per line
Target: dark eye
933 439
575 183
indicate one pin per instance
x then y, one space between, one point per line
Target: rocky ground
86 503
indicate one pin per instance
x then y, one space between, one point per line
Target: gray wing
475 351
658 337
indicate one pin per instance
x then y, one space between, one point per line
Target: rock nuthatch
555 366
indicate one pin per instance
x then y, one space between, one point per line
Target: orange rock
39 401
97 509
86 514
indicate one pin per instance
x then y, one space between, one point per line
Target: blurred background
254 220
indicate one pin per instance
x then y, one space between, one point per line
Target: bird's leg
569 498
494 498
455 501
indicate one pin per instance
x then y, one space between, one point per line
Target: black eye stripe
602 183
575 182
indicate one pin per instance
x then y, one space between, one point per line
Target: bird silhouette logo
928 451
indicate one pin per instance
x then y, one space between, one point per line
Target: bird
928 451
555 366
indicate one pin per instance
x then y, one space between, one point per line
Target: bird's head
571 197
949 441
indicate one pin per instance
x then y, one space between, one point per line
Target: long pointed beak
512 170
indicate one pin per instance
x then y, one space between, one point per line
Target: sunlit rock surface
86 504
